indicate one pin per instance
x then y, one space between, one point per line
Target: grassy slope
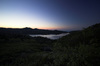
81 48
26 52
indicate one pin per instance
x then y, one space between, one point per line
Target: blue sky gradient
49 14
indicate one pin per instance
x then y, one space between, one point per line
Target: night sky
49 14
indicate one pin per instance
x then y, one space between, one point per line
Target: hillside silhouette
79 48
28 30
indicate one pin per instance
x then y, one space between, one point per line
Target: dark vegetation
79 48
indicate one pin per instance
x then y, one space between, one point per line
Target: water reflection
51 36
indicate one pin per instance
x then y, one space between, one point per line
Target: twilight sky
49 14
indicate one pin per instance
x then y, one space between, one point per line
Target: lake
51 36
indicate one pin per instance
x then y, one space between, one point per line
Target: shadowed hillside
80 48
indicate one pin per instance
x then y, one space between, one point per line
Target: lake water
51 36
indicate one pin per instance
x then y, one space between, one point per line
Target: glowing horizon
15 21
48 28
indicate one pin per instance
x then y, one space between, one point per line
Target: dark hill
79 48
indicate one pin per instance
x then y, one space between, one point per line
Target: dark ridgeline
28 30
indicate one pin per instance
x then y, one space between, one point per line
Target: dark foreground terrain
79 48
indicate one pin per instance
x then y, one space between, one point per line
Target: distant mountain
28 30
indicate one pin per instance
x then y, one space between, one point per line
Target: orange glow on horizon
46 28
52 28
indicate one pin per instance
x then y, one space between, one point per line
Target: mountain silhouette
28 30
